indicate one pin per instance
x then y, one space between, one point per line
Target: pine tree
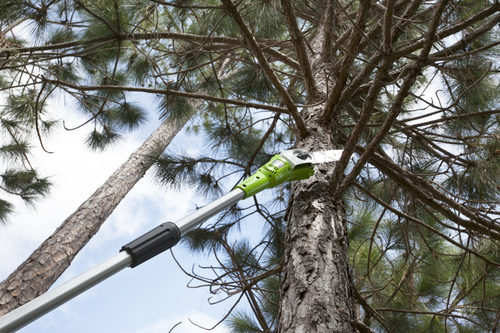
407 238
400 234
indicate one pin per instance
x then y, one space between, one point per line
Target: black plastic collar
152 243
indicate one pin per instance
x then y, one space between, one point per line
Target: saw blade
325 156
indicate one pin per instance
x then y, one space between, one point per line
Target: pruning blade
325 156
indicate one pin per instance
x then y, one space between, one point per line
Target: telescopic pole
134 253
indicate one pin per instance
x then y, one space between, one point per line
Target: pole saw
289 165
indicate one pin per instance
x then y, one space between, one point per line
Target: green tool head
288 166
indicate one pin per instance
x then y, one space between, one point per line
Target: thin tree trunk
35 275
315 288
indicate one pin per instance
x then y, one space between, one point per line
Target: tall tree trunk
315 289
35 275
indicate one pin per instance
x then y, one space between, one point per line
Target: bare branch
300 48
348 60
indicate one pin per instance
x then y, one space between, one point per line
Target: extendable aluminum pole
39 306
134 253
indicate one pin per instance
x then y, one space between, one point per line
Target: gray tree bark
315 288
35 275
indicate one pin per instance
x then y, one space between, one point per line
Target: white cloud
185 326
146 205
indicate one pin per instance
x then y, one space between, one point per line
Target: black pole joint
154 242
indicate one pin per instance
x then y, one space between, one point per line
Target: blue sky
152 297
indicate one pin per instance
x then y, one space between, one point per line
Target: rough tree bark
37 273
315 289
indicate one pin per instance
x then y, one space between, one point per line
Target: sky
152 297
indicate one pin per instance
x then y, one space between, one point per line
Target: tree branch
429 196
257 52
348 60
170 92
425 225
456 28
395 108
300 48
